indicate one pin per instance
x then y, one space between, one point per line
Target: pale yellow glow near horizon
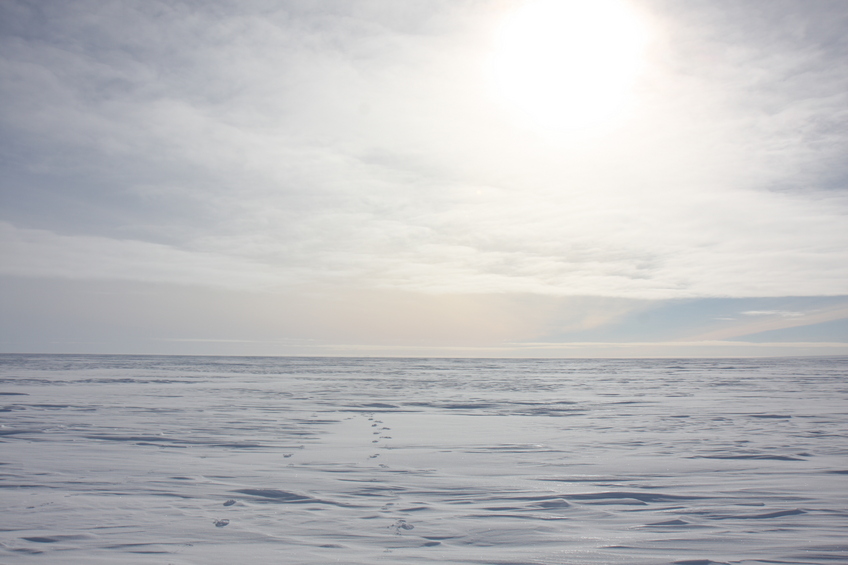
567 65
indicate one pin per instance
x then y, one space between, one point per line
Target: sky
484 178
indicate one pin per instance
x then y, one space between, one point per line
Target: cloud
780 313
38 311
39 253
253 146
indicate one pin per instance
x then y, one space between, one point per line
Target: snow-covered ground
204 460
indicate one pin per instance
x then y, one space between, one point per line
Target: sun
567 64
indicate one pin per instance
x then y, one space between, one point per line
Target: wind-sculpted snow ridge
198 460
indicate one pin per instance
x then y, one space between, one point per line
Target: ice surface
202 460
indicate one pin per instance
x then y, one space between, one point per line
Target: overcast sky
425 177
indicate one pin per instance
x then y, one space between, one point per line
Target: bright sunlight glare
567 65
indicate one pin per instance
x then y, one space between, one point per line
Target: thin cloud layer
356 146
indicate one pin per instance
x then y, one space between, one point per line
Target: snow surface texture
176 460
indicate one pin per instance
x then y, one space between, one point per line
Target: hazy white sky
429 177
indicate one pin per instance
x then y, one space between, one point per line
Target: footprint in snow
401 525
